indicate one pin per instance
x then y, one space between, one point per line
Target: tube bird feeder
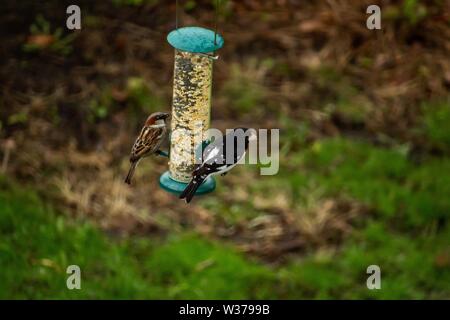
191 104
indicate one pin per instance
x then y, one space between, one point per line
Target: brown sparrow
148 141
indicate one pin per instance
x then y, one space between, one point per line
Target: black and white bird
215 158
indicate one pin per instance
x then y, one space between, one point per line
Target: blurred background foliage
364 156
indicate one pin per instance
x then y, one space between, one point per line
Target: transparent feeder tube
191 111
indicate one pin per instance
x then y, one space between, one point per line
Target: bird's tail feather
130 172
189 192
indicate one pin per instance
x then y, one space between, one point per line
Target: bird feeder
191 104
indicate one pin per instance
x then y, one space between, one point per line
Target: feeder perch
191 104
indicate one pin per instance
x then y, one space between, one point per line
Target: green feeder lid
194 39
173 186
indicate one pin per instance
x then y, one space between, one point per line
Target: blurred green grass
435 123
38 245
382 178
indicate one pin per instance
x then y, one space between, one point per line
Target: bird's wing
215 160
216 152
148 141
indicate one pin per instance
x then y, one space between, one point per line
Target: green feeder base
176 187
